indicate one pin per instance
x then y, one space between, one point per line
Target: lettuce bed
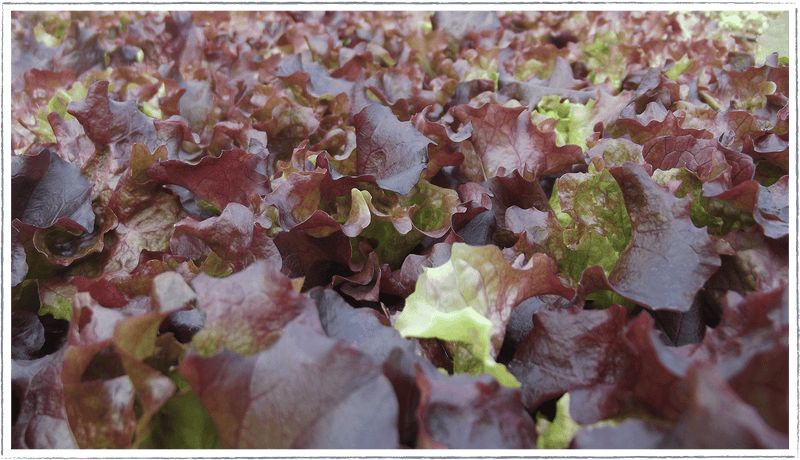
382 230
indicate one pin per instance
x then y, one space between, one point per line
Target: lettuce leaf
468 301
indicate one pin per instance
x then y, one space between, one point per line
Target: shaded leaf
47 188
246 311
469 412
263 400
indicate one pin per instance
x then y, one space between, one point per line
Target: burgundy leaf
320 82
456 24
772 147
700 156
507 138
27 335
237 236
232 177
80 52
366 330
364 285
101 290
264 400
750 347
315 259
629 434
402 282
118 125
29 54
468 412
218 219
245 312
772 210
104 377
642 130
520 323
716 418
568 350
391 151
689 327
19 267
665 244
74 145
358 327
446 150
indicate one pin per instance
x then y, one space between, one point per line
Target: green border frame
5 222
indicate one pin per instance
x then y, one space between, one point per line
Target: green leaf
401 222
558 433
393 246
605 298
468 301
598 229
573 126
678 68
720 216
56 298
591 249
182 423
605 60
59 102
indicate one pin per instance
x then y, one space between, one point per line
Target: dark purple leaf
568 350
717 419
190 185
391 151
560 83
772 147
317 260
29 54
750 348
19 267
47 188
456 24
320 82
467 412
117 125
629 434
520 323
700 156
237 236
81 51
665 244
689 327
27 335
101 290
42 421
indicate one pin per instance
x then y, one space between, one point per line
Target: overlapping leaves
269 229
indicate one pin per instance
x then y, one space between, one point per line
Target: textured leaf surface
469 301
288 229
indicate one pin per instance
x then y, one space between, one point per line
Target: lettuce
410 229
468 301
